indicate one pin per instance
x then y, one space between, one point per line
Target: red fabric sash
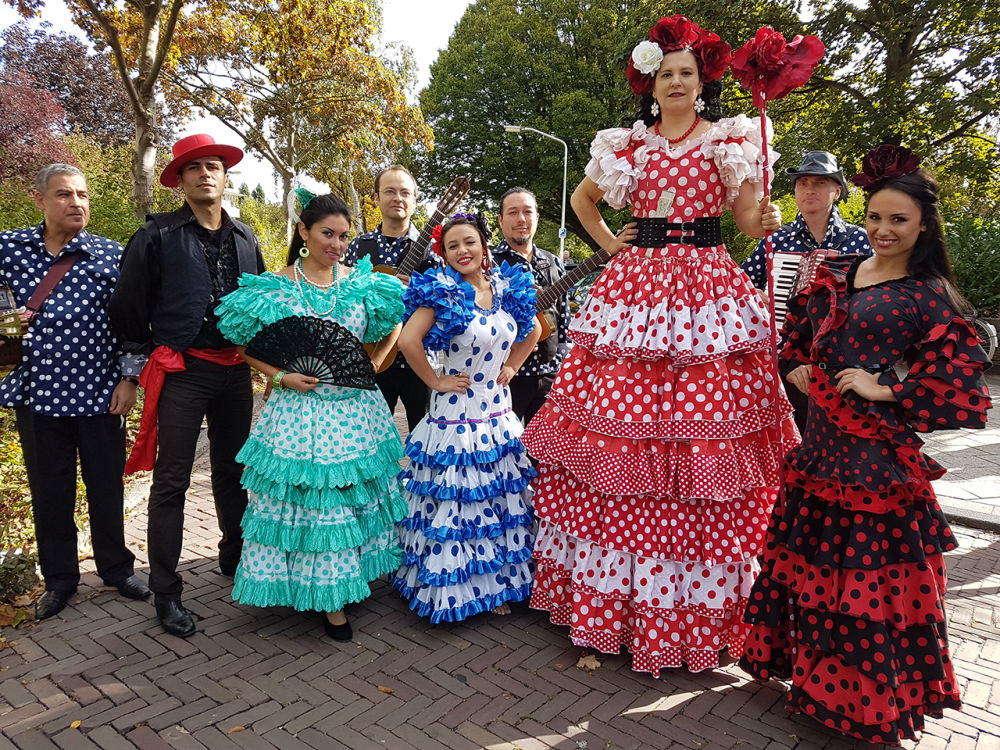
164 360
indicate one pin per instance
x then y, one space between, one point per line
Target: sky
404 21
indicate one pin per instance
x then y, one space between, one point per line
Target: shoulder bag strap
49 282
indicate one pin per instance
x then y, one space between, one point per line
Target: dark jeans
51 446
398 383
222 394
798 399
527 394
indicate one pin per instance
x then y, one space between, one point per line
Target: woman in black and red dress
849 603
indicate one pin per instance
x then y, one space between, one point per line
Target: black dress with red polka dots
850 601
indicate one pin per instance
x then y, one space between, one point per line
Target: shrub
974 245
17 574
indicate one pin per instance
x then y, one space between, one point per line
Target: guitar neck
417 248
550 294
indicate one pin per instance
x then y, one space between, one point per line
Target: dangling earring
487 264
654 108
303 252
699 104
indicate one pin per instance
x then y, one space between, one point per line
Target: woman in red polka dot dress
660 442
849 603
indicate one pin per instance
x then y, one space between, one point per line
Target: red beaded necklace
689 131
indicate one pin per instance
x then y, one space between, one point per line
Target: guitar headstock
455 194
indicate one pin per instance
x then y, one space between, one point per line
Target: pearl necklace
300 276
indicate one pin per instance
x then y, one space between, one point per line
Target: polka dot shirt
795 237
72 360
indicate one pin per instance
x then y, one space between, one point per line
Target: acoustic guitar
547 297
451 200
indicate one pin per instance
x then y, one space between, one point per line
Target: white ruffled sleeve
735 146
618 158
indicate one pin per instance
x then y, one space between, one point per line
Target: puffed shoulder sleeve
243 312
452 300
618 157
517 297
383 301
944 388
734 144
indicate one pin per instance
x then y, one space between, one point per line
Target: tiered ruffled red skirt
850 602
659 449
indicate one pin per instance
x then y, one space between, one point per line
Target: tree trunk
286 188
359 220
144 163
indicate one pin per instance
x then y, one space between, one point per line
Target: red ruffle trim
717 470
902 595
650 526
858 497
657 639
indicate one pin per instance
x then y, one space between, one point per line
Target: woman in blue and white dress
470 528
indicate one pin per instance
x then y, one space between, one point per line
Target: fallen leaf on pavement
75 724
588 662
236 729
386 690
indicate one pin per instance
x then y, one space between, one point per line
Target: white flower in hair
647 57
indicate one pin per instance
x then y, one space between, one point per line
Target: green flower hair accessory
301 196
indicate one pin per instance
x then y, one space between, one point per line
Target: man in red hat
174 271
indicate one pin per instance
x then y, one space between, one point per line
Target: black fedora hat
820 164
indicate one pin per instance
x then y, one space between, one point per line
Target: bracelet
276 379
131 379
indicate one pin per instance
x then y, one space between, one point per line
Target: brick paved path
104 675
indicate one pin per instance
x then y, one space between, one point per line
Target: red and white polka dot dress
660 443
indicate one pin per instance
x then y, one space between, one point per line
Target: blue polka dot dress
470 529
320 466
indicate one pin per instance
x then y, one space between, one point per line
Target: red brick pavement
103 675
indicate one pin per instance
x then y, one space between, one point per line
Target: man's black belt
704 231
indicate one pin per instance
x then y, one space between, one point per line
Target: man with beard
518 219
175 270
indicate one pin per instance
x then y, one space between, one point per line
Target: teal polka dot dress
320 466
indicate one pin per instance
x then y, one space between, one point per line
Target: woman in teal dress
321 461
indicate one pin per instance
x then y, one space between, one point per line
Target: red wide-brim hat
195 147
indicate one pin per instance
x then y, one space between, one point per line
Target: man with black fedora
819 184
174 271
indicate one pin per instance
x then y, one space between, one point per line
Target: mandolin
451 200
548 296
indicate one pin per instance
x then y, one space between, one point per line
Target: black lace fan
316 347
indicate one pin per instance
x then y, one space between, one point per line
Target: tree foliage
138 36
300 82
30 126
82 82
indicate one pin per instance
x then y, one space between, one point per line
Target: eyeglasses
391 193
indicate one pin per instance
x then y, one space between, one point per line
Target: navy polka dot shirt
72 360
795 237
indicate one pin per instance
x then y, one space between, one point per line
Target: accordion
792 273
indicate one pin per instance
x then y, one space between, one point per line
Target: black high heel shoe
342 633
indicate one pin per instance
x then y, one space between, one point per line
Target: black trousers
403 383
51 446
223 395
798 399
527 394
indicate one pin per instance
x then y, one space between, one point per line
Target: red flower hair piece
884 163
677 33
771 67
436 239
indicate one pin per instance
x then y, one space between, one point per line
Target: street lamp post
562 219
